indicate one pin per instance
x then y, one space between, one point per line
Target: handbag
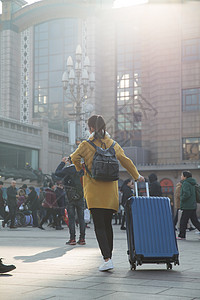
73 194
86 215
7 209
21 207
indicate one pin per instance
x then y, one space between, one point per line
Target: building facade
146 60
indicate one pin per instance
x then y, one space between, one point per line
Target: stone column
10 64
43 155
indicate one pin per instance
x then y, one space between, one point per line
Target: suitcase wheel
169 266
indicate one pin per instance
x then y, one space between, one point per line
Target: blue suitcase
150 231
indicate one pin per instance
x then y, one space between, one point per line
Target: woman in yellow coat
101 196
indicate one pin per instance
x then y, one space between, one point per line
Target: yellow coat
99 194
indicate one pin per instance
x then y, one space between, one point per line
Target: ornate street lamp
79 82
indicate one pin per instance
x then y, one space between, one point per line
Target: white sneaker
107 265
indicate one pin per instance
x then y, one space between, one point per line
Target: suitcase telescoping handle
146 185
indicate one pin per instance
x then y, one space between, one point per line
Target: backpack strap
87 170
91 143
113 144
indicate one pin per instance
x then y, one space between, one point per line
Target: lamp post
79 82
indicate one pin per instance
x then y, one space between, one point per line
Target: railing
18 126
185 165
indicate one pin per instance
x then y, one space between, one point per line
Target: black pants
35 218
73 207
176 218
102 219
186 215
11 215
2 211
123 220
49 212
118 216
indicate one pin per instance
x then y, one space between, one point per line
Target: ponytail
97 122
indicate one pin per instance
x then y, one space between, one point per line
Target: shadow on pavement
50 254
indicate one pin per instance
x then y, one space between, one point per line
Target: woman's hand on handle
141 178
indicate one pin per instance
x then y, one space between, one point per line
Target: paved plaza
46 268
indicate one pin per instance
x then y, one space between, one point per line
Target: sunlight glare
28 2
126 3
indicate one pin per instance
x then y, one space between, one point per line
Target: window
55 93
191 148
54 40
16 157
55 63
191 99
128 112
190 50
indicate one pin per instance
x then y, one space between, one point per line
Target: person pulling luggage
102 196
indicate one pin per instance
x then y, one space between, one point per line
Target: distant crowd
53 205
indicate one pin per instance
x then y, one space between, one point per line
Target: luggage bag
150 231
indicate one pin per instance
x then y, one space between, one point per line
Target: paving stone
47 268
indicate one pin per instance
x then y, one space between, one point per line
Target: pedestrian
75 200
177 207
101 196
33 204
50 205
127 192
12 204
41 212
24 188
21 199
2 202
154 186
188 203
60 197
177 200
5 268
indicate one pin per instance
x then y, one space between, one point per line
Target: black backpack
105 166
